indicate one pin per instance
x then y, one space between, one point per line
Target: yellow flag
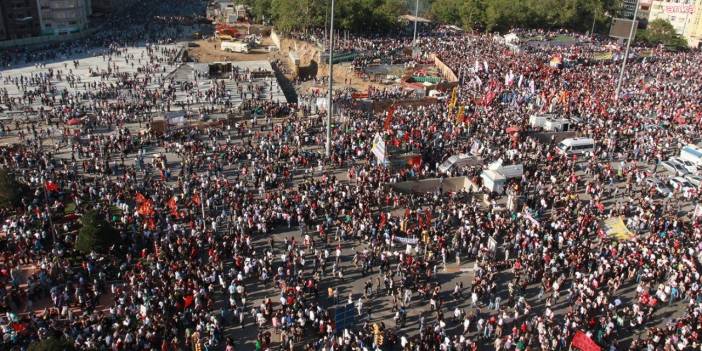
460 116
454 97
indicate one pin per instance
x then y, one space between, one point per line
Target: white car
681 184
661 189
675 168
689 166
694 179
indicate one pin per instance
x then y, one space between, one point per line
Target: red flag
584 343
188 301
415 161
383 220
151 224
19 327
488 98
388 118
196 199
173 206
140 199
146 208
51 186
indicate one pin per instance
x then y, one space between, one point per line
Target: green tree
52 344
352 15
95 234
260 9
502 15
659 32
472 13
10 189
297 15
450 11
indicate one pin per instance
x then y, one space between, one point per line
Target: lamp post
626 52
331 80
48 210
594 17
416 14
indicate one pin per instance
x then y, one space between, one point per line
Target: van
576 146
557 125
235 46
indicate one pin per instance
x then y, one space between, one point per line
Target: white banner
379 148
410 241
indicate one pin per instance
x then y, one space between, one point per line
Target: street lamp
626 52
331 79
416 14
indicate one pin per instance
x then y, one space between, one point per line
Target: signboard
621 28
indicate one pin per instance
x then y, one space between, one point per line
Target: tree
297 15
502 15
10 189
95 234
661 32
353 15
449 11
52 344
260 9
472 14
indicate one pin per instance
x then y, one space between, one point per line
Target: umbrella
74 122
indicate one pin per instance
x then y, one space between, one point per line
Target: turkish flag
187 301
52 187
583 342
388 118
140 199
19 327
383 220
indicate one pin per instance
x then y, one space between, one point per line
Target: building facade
18 19
684 15
629 6
59 17
3 33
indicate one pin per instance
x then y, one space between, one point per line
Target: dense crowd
197 211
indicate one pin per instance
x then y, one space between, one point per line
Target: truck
493 181
235 46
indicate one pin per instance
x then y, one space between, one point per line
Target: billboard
621 28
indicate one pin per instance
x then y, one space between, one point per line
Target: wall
26 10
63 16
43 40
444 69
275 38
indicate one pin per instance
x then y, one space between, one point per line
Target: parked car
689 166
661 189
694 179
675 168
681 183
